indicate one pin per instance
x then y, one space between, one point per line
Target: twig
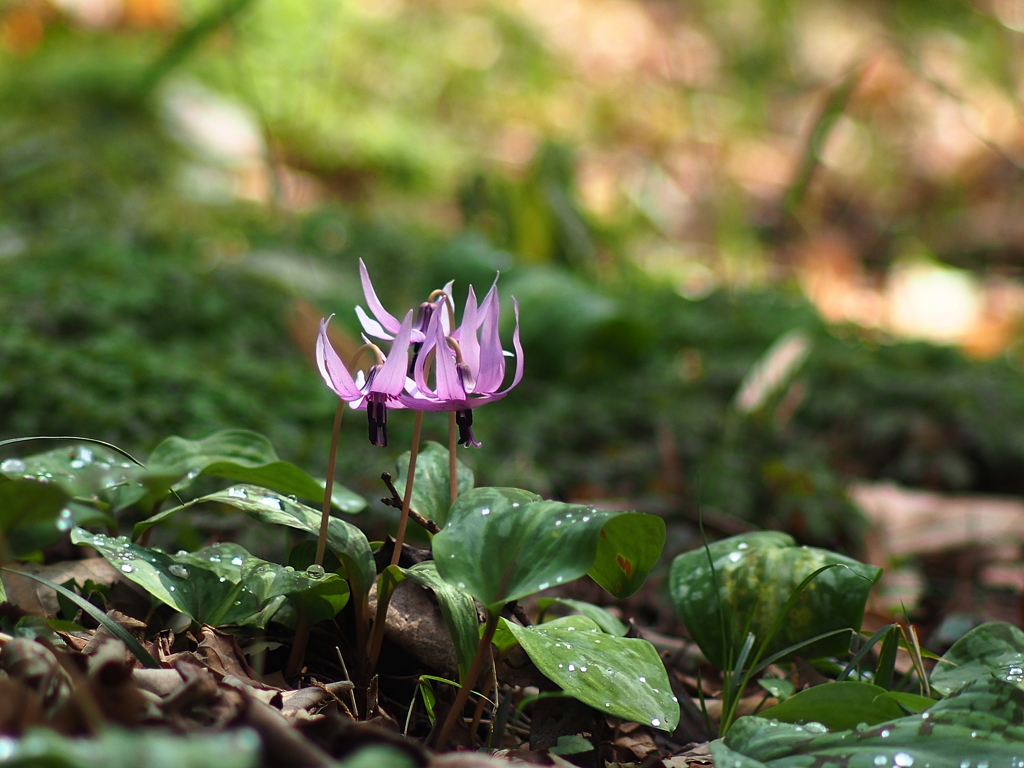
396 502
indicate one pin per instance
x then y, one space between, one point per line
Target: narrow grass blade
116 629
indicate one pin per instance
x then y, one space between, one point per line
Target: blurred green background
668 188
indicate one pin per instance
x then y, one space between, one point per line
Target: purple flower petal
468 342
388 321
332 370
390 379
492 362
449 383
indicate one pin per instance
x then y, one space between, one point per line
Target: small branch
396 502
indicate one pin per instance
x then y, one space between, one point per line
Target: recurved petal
390 380
468 342
388 322
491 371
332 370
449 383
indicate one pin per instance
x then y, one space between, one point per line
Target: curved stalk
403 522
483 650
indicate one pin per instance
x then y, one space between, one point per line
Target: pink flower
469 368
383 385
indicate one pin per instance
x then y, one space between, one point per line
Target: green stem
482 651
407 498
325 518
453 474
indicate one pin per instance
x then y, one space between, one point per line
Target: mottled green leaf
629 547
457 608
837 706
240 455
117 748
995 650
620 676
85 471
431 493
501 544
979 725
347 541
754 576
606 621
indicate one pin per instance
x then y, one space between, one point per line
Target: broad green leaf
595 613
981 724
26 502
431 494
754 575
117 748
780 688
629 547
501 544
240 455
837 706
84 471
179 581
323 595
347 541
995 650
457 608
912 703
619 676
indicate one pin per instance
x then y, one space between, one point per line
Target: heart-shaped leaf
629 547
240 455
754 576
431 494
837 706
620 676
995 649
347 541
501 544
457 608
979 725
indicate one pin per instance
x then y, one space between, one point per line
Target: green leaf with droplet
630 545
240 455
30 508
837 706
995 649
431 493
345 540
501 544
606 621
457 608
753 577
84 471
619 676
982 724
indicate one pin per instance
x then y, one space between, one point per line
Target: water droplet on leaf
178 570
12 465
126 568
315 571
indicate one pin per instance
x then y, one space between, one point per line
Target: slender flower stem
301 639
325 518
407 498
453 474
482 651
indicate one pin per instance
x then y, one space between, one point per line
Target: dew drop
881 760
515 505
559 666
13 465
734 557
126 568
586 518
675 699
452 556
885 734
64 521
485 511
238 493
903 760
315 571
181 553
543 585
172 588
236 560
272 502
214 558
643 679
742 545
558 580
655 722
965 764
178 570
77 464
572 667
583 669
462 585
983 764
222 579
607 703
558 522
